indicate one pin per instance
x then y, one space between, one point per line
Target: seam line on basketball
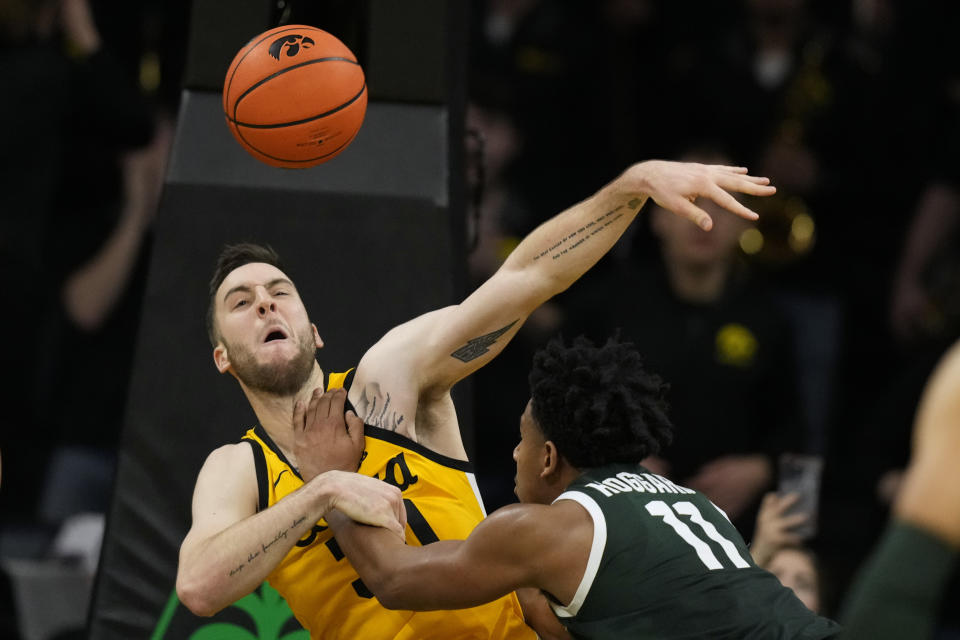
251 46
296 122
284 70
329 153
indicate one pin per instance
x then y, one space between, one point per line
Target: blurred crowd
90 93
809 332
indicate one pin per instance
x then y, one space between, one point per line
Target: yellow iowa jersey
322 588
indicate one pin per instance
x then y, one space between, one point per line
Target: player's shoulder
230 458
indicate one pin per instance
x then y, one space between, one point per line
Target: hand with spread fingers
325 438
676 186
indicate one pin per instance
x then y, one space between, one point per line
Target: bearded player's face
266 338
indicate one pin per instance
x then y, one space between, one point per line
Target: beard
275 378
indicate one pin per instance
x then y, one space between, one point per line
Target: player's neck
563 477
275 413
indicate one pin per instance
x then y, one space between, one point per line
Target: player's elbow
196 597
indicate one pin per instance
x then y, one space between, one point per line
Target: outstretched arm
544 547
449 344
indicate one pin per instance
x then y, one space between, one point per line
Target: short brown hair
233 256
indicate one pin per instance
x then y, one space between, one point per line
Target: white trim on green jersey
596 552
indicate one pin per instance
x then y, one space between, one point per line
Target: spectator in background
76 200
796 568
99 242
698 316
37 80
778 548
100 299
839 111
543 53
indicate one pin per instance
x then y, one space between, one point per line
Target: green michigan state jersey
667 563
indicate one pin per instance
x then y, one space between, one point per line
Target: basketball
294 96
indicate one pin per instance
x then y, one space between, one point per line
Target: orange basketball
294 96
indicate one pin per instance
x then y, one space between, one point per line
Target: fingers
319 406
399 522
760 180
354 425
791 540
402 514
337 399
399 528
355 431
787 500
734 175
693 213
740 170
299 416
731 204
393 515
743 183
756 189
776 504
791 521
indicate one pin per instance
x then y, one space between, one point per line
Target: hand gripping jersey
666 563
323 590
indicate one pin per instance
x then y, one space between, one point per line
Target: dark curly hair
598 404
231 257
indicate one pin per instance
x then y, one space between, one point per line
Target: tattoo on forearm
374 408
576 238
479 346
253 555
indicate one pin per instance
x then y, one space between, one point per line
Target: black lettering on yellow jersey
321 587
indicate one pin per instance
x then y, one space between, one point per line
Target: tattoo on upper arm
479 346
576 238
374 408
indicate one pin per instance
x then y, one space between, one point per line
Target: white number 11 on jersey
661 509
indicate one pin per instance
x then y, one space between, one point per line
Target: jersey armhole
596 553
343 381
260 464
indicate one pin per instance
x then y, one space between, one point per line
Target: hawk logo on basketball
292 44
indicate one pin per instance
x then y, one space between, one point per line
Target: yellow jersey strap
341 380
334 381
